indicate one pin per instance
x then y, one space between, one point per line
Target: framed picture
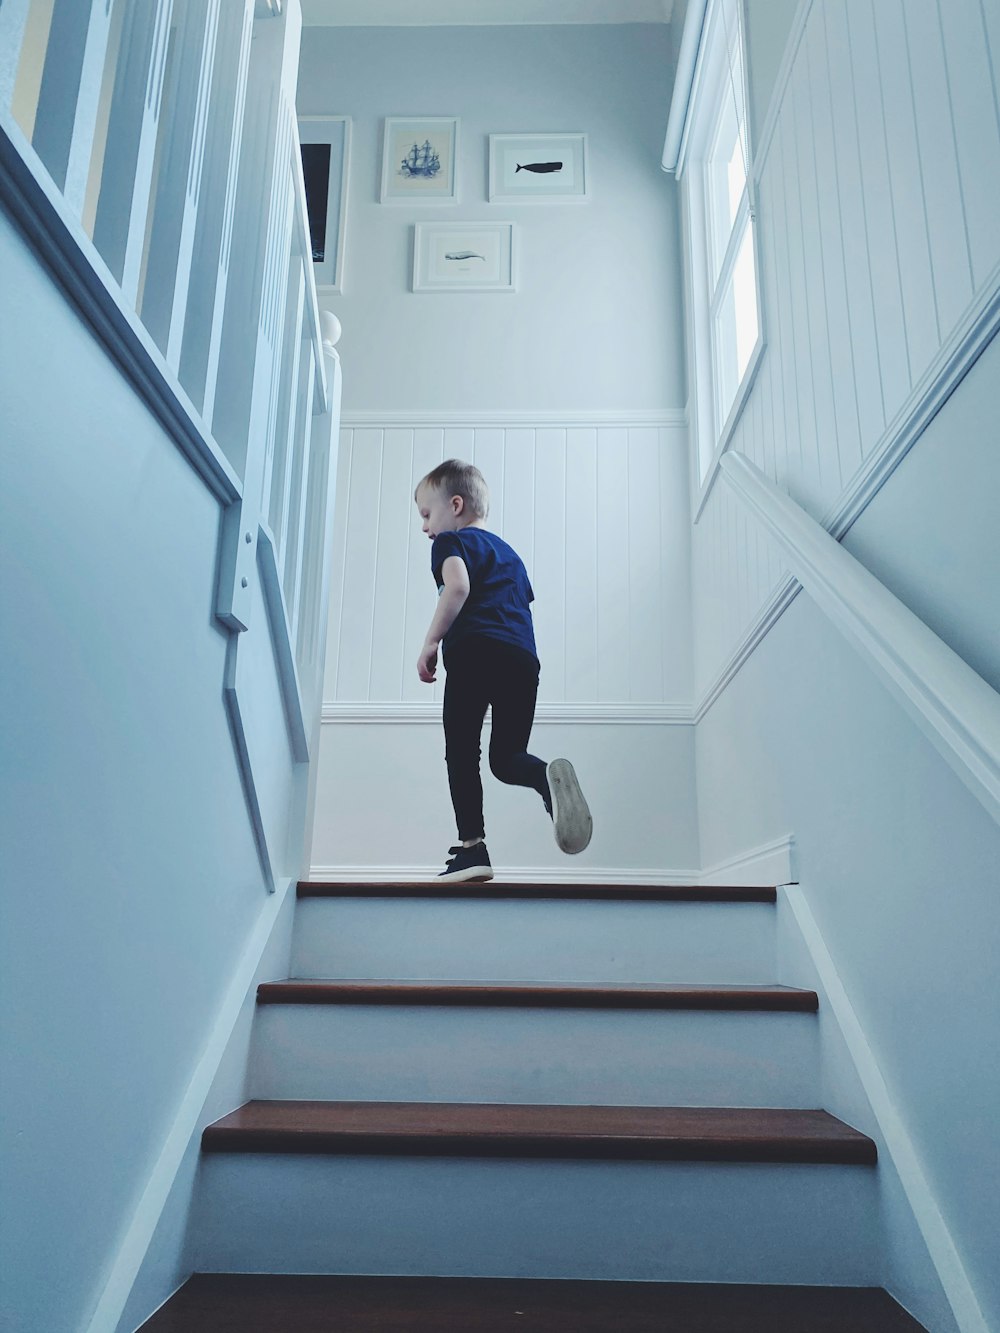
463 257
538 166
419 161
326 158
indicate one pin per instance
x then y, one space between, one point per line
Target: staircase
447 1134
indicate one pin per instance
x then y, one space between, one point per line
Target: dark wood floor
222 1303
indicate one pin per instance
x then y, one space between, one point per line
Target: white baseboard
900 1147
376 419
770 864
138 1235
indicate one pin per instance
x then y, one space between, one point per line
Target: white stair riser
667 1222
479 1054
541 940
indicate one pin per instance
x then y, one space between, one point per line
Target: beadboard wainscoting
599 514
878 183
599 510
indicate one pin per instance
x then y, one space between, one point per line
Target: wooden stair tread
598 995
606 892
473 1129
262 1303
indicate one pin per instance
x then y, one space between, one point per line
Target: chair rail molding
389 420
955 708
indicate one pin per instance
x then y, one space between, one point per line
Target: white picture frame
419 160
326 176
538 168
464 257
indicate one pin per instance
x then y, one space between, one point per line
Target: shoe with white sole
570 812
468 865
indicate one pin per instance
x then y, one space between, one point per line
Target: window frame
710 435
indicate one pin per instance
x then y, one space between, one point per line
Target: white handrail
953 706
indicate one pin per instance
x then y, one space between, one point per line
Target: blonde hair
454 477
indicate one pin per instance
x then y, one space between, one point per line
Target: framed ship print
527 167
419 159
326 158
463 257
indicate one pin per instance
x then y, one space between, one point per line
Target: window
714 170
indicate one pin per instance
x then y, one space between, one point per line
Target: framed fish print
527 167
464 257
326 159
419 159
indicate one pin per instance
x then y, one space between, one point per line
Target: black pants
482 671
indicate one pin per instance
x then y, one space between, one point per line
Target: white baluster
299 499
123 203
274 471
201 335
260 246
13 21
71 51
164 297
81 147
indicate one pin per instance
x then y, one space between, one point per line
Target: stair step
646 893
637 1133
259 1303
444 1042
506 934
594 995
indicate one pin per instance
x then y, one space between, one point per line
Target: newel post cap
330 329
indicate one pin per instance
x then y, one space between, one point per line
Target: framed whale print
463 257
326 160
527 167
419 158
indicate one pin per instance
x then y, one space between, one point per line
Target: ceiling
399 13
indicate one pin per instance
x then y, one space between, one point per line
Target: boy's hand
427 663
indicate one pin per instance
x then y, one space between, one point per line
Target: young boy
483 625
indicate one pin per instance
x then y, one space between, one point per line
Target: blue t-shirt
498 605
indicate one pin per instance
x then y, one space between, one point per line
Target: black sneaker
570 812
468 865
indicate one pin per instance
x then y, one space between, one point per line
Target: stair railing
953 706
149 150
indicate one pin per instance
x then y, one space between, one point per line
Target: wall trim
919 1194
145 1217
39 211
773 863
768 616
281 642
636 715
241 745
512 875
760 151
957 356
671 418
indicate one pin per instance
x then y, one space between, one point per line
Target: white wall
898 864
879 253
131 876
768 25
595 323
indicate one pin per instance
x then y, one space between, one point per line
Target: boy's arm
451 599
